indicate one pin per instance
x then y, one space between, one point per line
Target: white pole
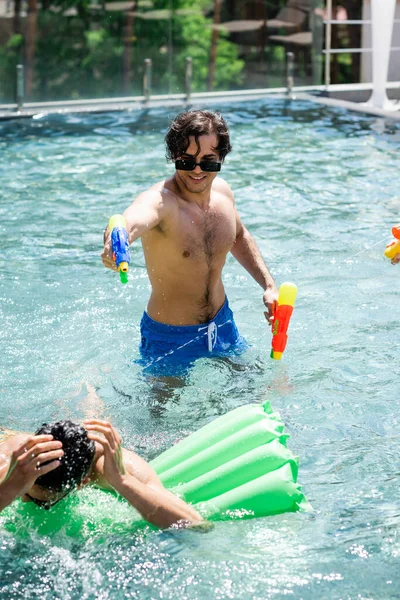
382 13
328 42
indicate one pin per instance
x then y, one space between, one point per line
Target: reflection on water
317 188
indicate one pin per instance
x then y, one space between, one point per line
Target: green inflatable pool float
236 466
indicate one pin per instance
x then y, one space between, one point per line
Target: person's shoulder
222 187
11 440
159 193
152 194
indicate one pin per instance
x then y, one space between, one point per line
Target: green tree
82 51
10 56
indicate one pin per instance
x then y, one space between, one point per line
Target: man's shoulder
11 440
161 191
7 434
222 187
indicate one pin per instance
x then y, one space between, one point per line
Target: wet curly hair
78 456
196 123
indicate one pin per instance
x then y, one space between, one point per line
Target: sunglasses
46 504
208 166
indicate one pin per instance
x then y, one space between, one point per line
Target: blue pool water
318 189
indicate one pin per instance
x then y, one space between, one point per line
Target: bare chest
206 235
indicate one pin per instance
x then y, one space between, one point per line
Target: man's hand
114 469
395 259
26 463
270 299
107 254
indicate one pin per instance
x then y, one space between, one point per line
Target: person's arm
146 212
247 253
156 504
396 259
92 405
26 465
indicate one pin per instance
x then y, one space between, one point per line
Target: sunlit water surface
319 191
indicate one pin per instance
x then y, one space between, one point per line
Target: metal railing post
328 43
289 73
188 78
147 79
20 87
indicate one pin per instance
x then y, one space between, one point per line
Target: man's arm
396 259
146 212
156 504
247 253
91 404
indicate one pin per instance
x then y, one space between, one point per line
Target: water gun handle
283 313
393 247
120 245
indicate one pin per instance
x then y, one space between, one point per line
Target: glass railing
88 49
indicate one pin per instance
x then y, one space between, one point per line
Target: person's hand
26 463
270 299
114 469
395 259
107 254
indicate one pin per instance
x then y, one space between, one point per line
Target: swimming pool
317 188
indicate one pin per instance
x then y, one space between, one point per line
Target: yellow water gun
394 247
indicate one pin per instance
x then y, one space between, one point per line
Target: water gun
120 245
394 247
286 299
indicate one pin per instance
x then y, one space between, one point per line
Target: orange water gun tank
286 299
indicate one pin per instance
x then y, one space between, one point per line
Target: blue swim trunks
169 347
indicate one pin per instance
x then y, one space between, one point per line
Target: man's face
44 498
198 181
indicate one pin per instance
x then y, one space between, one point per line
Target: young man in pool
187 225
45 467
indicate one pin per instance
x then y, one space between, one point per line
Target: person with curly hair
188 224
59 458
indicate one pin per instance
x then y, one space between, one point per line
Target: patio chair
248 30
293 21
292 17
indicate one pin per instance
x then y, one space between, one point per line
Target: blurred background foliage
82 50
73 49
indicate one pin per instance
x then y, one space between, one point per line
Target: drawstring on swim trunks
212 334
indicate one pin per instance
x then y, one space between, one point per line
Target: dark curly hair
196 123
75 463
